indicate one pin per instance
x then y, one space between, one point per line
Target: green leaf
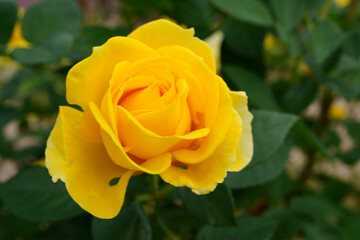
35 55
48 17
7 114
32 195
258 92
350 226
288 13
196 13
354 130
253 11
216 208
313 140
244 39
326 37
58 44
8 15
261 172
250 228
131 224
343 86
297 98
269 132
287 223
321 231
314 207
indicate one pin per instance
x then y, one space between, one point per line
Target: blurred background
298 61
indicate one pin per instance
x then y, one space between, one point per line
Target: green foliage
290 57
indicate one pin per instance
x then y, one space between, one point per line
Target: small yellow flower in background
304 69
270 42
152 103
338 111
215 40
342 3
17 39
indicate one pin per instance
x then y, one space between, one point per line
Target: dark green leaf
269 132
49 17
354 130
350 226
253 11
245 39
314 207
258 92
326 37
8 13
130 224
297 98
250 228
32 195
287 223
309 136
7 114
288 13
35 55
213 208
322 231
261 172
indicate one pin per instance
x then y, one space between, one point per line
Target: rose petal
218 109
203 177
162 33
115 149
245 148
88 80
85 167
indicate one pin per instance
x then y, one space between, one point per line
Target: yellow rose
152 103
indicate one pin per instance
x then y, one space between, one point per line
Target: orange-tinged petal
162 33
203 177
88 80
245 148
85 167
117 151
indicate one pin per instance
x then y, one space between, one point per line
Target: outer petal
162 33
88 80
245 148
85 167
203 177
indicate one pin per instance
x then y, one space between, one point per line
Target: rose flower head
151 103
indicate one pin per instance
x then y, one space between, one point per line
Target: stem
158 196
322 123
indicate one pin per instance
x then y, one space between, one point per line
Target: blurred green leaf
258 92
14 228
351 157
287 223
194 13
261 172
245 39
250 228
216 208
288 13
343 86
326 37
8 114
354 130
269 132
48 17
314 207
131 224
32 195
322 231
35 55
297 98
253 11
311 138
350 225
8 15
